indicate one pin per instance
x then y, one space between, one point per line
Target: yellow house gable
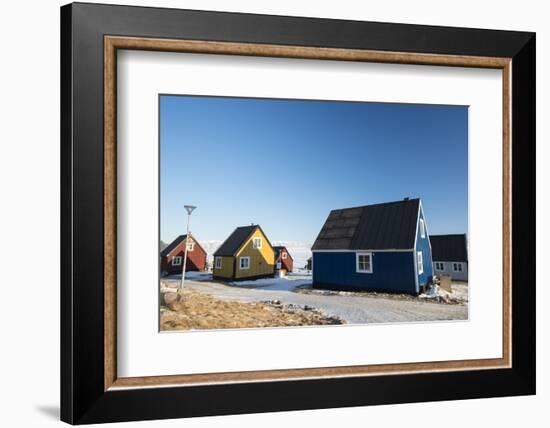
259 255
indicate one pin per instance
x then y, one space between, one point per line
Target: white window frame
439 266
190 246
247 258
357 269
218 262
179 259
457 267
283 256
420 262
254 242
422 228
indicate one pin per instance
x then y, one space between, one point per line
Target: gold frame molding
113 43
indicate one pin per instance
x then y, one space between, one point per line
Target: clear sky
284 164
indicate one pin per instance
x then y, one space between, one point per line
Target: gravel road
353 309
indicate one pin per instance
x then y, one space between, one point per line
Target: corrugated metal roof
449 248
235 240
390 225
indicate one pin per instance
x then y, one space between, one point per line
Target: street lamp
189 209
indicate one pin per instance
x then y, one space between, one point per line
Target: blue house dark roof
449 248
390 225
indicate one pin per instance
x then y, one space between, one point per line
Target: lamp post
189 209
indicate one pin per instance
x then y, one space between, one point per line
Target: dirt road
352 308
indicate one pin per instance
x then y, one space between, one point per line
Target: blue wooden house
382 247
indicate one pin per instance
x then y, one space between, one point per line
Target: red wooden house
283 259
171 258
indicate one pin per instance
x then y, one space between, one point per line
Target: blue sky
284 164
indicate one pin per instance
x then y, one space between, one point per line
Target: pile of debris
441 291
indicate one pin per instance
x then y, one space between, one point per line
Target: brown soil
201 311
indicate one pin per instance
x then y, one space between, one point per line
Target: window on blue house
420 263
422 229
364 262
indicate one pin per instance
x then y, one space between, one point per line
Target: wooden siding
448 270
196 259
423 244
286 264
391 271
262 261
226 270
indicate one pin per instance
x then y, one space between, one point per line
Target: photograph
294 213
281 210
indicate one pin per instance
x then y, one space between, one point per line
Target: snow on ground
287 283
197 276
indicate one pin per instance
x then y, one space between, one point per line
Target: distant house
450 256
374 247
309 263
171 257
283 259
245 254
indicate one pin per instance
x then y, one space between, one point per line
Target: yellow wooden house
246 254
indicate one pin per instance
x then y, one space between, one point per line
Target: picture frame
91 391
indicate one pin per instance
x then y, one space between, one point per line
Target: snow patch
195 276
281 284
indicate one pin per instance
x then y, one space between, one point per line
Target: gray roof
449 248
390 225
235 240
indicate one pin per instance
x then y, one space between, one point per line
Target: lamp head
189 208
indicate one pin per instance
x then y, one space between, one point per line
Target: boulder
171 300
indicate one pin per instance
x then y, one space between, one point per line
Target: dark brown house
283 259
171 258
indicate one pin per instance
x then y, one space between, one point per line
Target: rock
171 301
